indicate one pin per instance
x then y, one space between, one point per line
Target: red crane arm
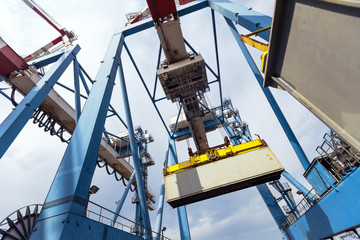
161 8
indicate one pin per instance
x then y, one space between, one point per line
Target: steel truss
63 215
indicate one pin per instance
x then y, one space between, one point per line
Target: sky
28 167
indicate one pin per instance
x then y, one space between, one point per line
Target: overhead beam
14 123
69 191
245 17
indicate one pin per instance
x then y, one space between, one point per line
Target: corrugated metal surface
314 55
319 177
222 176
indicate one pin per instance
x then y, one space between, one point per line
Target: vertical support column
263 189
134 149
68 194
138 214
217 60
229 131
182 215
4 94
122 200
275 107
77 91
139 229
14 123
273 207
291 204
161 200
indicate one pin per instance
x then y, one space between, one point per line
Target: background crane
66 38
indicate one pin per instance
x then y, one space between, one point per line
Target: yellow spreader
220 171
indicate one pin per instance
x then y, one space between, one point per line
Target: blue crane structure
329 208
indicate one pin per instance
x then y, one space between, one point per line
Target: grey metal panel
222 176
314 55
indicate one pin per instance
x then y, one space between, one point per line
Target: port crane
336 168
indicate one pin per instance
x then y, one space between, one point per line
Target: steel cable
13 97
45 120
98 164
115 174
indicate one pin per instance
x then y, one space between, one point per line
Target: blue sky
29 165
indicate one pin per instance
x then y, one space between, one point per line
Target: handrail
138 226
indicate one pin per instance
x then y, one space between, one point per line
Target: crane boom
65 37
41 12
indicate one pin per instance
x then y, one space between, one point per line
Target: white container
222 176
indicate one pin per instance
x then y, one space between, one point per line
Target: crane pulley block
183 78
220 171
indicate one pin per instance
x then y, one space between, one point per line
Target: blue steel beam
87 90
210 124
86 74
159 215
263 189
273 207
206 65
182 215
275 107
5 95
217 60
177 120
77 91
134 149
285 195
159 99
17 119
111 108
336 212
247 18
147 90
121 138
68 194
231 134
48 59
69 89
246 134
156 76
122 200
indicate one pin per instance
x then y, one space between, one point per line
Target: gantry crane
335 173
184 80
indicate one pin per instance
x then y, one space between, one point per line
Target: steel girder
14 123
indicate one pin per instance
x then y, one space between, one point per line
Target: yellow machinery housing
220 171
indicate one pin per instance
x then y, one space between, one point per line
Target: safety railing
106 216
341 158
301 208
